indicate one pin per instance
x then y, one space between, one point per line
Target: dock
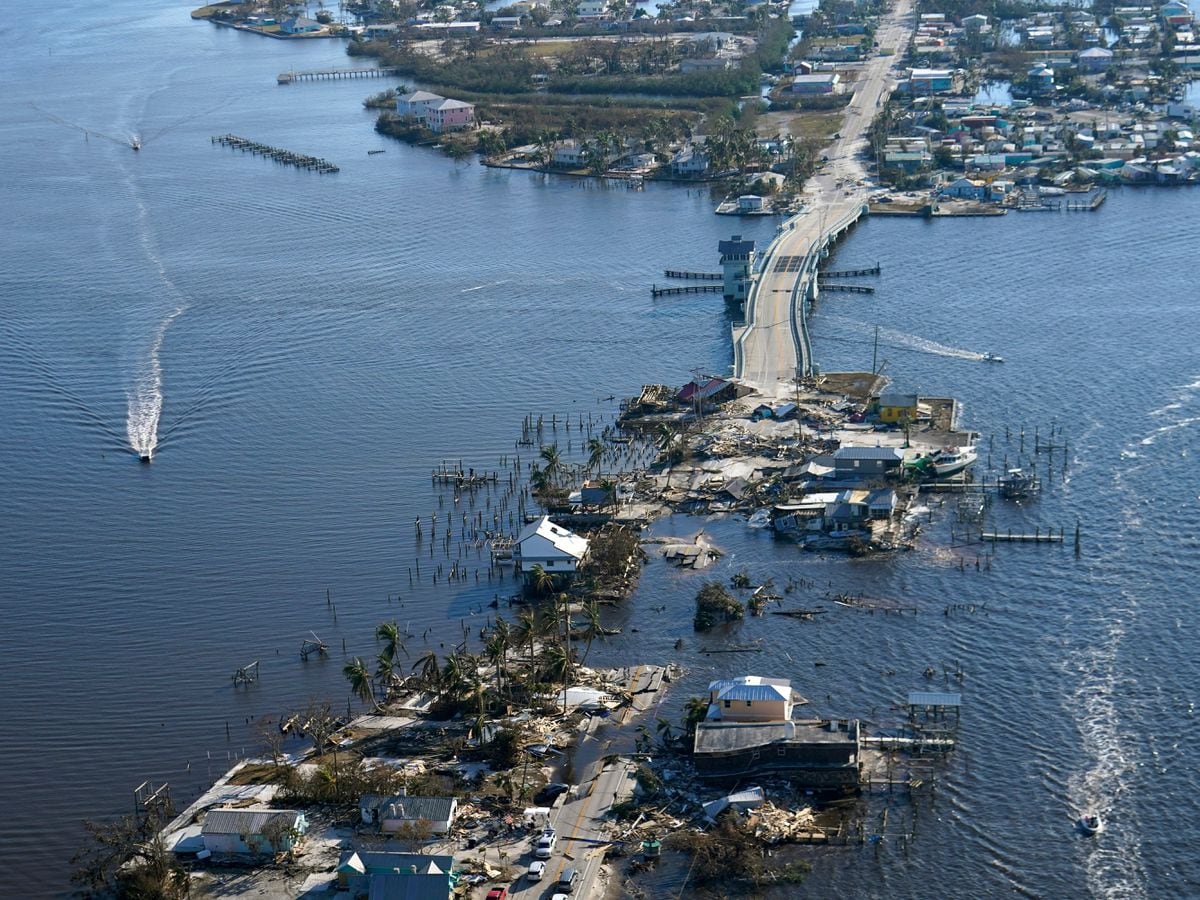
656 291
322 74
700 276
845 288
287 157
849 273
1087 205
1049 536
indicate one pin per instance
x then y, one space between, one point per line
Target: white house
966 189
393 814
251 831
554 548
750 698
690 162
568 153
416 105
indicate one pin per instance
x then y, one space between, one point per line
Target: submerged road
771 350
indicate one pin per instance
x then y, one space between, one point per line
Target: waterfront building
543 543
570 154
251 832
691 161
896 408
737 261
392 814
1040 80
750 698
416 104
425 877
705 64
930 81
867 460
966 189
1094 59
818 83
449 115
299 25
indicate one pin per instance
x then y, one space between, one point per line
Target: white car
545 844
536 870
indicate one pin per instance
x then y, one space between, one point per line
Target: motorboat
136 143
146 455
951 460
1090 823
991 357
1017 483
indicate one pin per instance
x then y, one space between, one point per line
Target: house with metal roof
557 550
867 460
408 887
251 831
392 814
358 870
750 698
817 755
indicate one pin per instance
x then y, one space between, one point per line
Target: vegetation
714 605
127 858
730 854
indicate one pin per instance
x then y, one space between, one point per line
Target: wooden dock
845 288
1049 536
656 291
850 273
700 276
1087 205
287 157
322 74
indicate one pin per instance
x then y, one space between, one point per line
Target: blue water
303 349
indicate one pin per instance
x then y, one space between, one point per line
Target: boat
951 460
374 152
136 143
1090 823
146 455
1017 483
991 357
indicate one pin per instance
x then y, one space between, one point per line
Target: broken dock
656 291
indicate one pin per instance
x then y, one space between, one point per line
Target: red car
499 893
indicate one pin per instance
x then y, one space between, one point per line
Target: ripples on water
303 350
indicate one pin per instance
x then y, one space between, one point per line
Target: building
750 698
966 189
705 64
817 83
907 161
393 814
690 162
750 203
299 25
881 503
558 551
867 460
416 105
228 832
975 22
449 115
1094 59
737 261
570 154
359 870
702 391
1040 80
898 408
930 81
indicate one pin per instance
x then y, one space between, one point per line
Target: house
1175 13
299 25
600 494
966 189
779 411
507 23
416 105
251 831
975 22
750 698
592 9
1094 59
898 408
930 81
705 64
881 503
706 391
867 460
570 154
690 162
393 814
750 203
737 261
908 161
358 869
1040 80
554 548
818 83
449 115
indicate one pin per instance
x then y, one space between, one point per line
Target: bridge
773 349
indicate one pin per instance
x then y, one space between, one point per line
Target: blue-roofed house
750 698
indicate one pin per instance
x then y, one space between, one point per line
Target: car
567 880
545 844
561 897
537 869
498 893
550 792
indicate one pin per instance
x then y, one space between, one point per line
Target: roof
899 399
245 821
735 246
753 680
419 97
431 809
882 496
1096 53
452 104
694 390
299 22
560 539
887 454
409 887
724 737
364 862
933 698
818 78
769 692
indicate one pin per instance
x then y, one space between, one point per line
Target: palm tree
557 667
540 580
666 732
591 611
595 448
552 456
431 672
385 673
609 487
694 712
360 680
389 633
526 631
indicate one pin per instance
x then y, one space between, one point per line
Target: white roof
419 97
545 539
452 104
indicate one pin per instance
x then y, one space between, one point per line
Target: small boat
146 455
1017 483
136 143
373 152
951 460
991 357
1090 823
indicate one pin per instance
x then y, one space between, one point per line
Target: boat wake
906 341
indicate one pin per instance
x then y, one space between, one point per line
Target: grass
819 126
258 773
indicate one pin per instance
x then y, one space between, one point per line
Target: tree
552 456
540 580
360 680
556 667
595 448
129 858
389 633
591 611
694 711
429 671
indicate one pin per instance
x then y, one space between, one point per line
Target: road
606 779
771 346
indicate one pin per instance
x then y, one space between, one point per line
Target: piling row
299 160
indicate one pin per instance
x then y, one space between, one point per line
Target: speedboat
136 143
146 455
991 357
951 460
1090 823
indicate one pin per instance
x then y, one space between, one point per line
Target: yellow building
898 408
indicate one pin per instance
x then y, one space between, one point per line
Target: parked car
537 869
550 792
567 880
545 844
498 893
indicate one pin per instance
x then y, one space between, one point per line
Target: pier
846 288
323 74
1049 536
700 276
849 273
299 160
656 291
1089 204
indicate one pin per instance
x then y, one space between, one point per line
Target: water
994 93
300 350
